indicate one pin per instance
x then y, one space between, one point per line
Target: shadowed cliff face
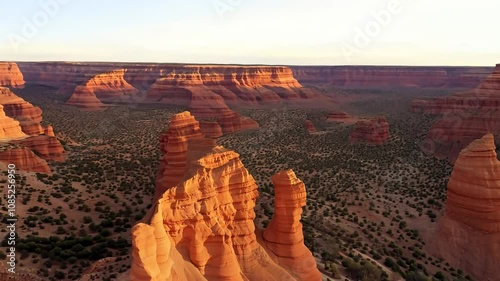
466 116
201 227
468 236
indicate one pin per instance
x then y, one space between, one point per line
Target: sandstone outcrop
468 236
310 127
110 86
371 130
340 117
9 128
173 148
24 159
10 75
283 236
47 147
85 98
15 106
211 129
49 131
466 116
201 227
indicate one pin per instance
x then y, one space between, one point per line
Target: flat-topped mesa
110 86
9 128
85 98
173 148
10 75
24 159
15 106
310 127
283 236
372 130
468 234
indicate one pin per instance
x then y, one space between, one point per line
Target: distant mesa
111 86
201 225
310 127
341 117
469 233
85 99
24 159
371 130
466 116
10 75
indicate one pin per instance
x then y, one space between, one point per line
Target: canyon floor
369 206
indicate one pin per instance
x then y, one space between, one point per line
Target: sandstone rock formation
110 86
85 98
24 159
173 148
15 106
201 227
47 147
49 131
283 236
9 128
310 127
468 236
371 130
466 116
10 75
340 117
211 129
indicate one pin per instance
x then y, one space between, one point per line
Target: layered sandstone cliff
15 107
9 128
24 159
283 236
466 116
85 98
47 147
211 129
468 236
10 75
110 86
391 76
201 227
371 130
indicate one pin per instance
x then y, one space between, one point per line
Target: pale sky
289 32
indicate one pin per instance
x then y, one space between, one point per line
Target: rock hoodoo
283 236
10 75
372 130
201 227
468 236
24 159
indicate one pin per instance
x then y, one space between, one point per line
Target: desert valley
173 172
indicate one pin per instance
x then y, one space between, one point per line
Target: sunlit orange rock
173 148
468 236
10 75
49 131
15 106
371 130
201 228
9 128
24 159
310 127
85 98
283 236
47 147
110 86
